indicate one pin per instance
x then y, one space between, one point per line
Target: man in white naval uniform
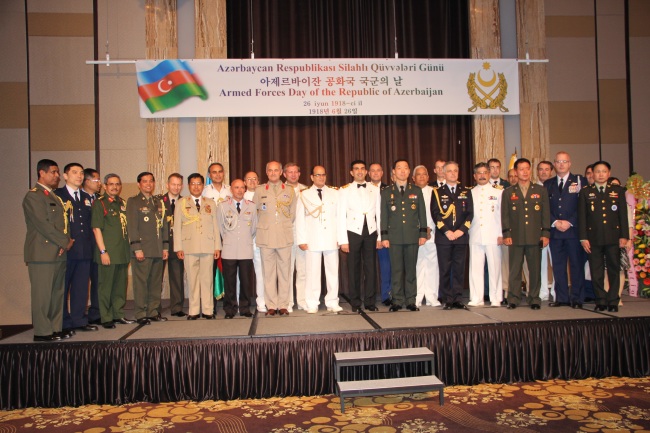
358 235
291 173
426 268
316 229
217 190
485 239
252 180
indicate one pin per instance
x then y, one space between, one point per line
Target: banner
326 87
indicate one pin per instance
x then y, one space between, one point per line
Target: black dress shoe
246 314
143 321
357 310
193 317
209 316
95 322
612 309
158 318
388 302
372 308
52 337
512 306
123 321
459 306
448 306
504 302
412 307
229 316
62 335
270 312
395 307
576 305
600 308
179 314
69 331
535 307
88 328
108 325
556 304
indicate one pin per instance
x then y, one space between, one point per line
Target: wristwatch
102 252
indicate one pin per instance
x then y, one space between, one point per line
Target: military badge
208 209
487 94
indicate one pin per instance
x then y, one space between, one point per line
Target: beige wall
587 80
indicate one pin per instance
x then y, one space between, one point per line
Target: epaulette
304 189
247 201
384 187
499 186
345 186
332 187
34 189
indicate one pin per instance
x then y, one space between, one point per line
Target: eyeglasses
93 180
196 184
319 175
251 178
114 184
561 161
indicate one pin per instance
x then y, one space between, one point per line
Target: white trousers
298 264
200 283
313 280
259 278
477 256
427 274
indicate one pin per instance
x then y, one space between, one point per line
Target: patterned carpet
592 405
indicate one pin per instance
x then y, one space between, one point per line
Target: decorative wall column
533 88
210 43
161 34
485 40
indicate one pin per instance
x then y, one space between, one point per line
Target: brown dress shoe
284 311
271 312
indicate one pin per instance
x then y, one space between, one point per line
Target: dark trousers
147 285
563 252
384 273
230 270
403 260
362 249
75 295
600 256
533 255
176 270
93 311
451 266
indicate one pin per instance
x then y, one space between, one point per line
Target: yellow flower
642 261
642 275
641 246
639 205
638 227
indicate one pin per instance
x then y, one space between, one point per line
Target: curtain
348 29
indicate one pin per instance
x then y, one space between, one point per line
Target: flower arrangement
641 262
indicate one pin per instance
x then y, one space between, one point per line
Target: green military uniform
525 219
403 221
109 215
148 232
602 220
46 235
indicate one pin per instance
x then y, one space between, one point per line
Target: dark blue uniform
565 246
451 212
77 272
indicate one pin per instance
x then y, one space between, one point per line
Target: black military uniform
403 222
602 220
175 266
452 210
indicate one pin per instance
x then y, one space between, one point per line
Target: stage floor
324 322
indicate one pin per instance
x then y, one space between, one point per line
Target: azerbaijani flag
168 84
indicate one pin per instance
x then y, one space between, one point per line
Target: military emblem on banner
487 89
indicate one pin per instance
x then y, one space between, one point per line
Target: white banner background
347 87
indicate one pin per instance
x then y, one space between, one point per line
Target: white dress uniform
217 195
426 268
299 265
483 235
257 265
316 226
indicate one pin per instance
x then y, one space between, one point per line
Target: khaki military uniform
47 233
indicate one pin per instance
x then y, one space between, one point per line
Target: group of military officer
75 236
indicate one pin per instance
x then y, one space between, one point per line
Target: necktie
453 190
76 196
561 184
320 193
359 185
496 183
173 206
238 208
602 189
92 198
198 205
401 190
440 184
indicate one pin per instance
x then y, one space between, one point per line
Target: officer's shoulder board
33 189
385 187
332 187
345 186
304 189
498 186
